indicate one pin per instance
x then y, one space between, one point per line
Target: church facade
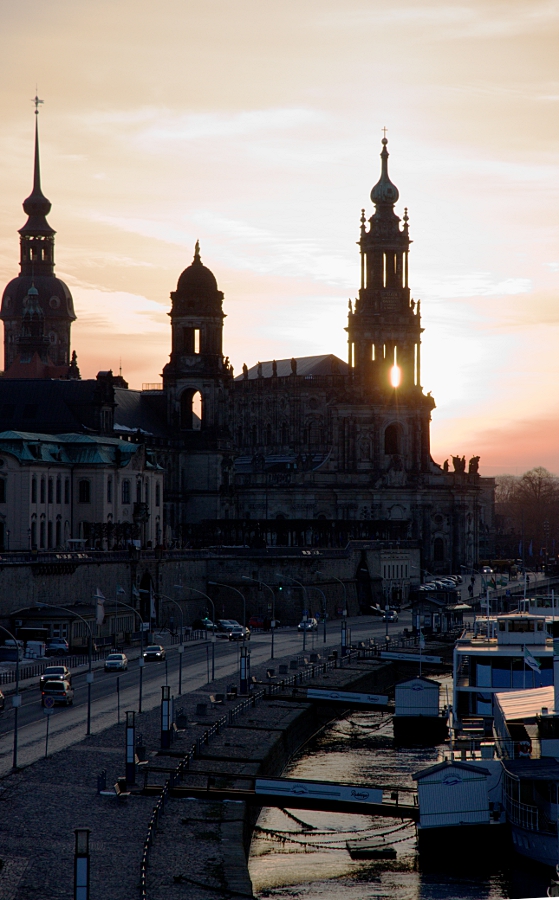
320 450
308 452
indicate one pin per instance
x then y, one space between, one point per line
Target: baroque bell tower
384 328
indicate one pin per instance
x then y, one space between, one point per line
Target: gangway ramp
320 795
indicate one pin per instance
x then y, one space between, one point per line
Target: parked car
2 702
57 647
154 652
232 630
55 673
61 692
310 625
204 624
116 661
390 615
263 622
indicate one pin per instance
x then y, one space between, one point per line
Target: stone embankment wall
67 579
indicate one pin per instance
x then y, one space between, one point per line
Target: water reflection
302 854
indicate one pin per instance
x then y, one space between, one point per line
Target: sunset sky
255 126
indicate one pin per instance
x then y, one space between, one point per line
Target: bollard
130 747
81 864
165 717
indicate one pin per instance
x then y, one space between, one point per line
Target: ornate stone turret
385 327
52 296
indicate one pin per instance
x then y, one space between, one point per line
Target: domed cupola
384 192
197 289
37 278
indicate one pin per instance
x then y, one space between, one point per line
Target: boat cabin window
522 626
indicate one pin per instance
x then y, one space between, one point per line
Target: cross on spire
37 103
384 130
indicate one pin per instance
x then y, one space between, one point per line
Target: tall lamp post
344 619
306 598
181 645
141 659
273 622
313 587
16 700
241 595
180 587
89 676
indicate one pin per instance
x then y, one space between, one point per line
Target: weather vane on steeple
37 102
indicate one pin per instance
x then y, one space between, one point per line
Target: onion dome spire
384 192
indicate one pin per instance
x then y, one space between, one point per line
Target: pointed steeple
36 205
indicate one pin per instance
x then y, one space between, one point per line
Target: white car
118 661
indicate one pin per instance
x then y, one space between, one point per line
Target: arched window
191 411
126 492
42 534
84 490
438 550
58 532
393 440
33 536
254 435
49 532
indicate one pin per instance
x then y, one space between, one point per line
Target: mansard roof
66 449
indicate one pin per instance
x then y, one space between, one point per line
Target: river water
301 854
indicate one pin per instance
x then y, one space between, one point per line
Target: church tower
36 301
196 370
384 329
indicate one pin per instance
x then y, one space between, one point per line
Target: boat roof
439 767
526 704
544 769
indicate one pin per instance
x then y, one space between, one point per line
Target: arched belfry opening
393 440
191 410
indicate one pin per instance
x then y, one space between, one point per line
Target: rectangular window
33 490
197 340
58 490
43 490
157 494
66 490
51 490
2 490
84 491
109 489
126 492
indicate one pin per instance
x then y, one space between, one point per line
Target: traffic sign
48 702
48 710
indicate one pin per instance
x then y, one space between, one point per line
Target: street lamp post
241 595
306 597
141 660
323 595
273 622
344 619
180 587
16 700
181 645
89 675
